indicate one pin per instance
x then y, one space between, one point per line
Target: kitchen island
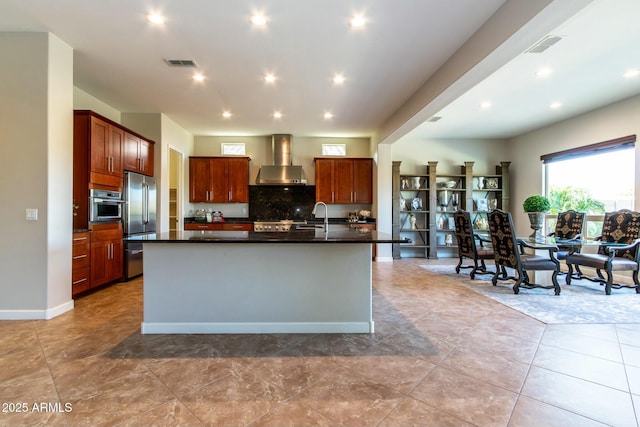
302 281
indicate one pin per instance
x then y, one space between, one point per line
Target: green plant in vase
536 206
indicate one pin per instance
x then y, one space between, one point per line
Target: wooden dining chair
619 252
471 245
509 253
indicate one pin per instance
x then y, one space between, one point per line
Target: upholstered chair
569 225
619 251
471 245
509 252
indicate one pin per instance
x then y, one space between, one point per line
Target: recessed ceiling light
198 77
226 114
269 78
277 115
155 18
259 19
555 105
635 72
338 79
328 115
485 105
543 72
358 21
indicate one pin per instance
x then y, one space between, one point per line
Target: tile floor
442 355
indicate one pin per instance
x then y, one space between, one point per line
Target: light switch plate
32 214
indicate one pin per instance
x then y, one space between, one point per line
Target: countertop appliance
139 217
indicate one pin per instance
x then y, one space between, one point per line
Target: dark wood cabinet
106 253
219 179
106 146
219 226
81 263
138 154
344 180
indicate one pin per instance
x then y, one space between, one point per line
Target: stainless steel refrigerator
139 217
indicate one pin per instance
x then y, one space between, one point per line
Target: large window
593 179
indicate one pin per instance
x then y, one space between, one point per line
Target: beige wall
303 150
613 121
450 155
84 101
36 164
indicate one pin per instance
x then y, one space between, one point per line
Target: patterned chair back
464 233
622 226
503 239
569 224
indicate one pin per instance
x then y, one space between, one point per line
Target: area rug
580 302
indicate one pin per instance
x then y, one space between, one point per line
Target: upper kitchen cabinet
219 179
99 143
344 180
138 154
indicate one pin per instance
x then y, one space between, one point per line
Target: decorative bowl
448 184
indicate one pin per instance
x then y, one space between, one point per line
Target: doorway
175 190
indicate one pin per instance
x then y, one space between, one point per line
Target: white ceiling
119 58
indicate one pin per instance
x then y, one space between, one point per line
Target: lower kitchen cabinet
219 226
81 263
106 253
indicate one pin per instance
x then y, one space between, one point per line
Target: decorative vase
412 221
536 219
416 182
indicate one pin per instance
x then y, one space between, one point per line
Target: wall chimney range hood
281 171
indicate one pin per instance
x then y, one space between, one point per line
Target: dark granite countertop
338 233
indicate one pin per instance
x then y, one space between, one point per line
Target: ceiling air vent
544 44
188 63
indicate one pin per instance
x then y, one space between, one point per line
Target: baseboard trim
46 314
257 328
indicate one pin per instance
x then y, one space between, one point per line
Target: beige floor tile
292 414
589 368
233 400
172 413
442 355
488 367
582 397
465 397
400 373
583 344
633 375
532 413
630 355
413 413
604 332
350 399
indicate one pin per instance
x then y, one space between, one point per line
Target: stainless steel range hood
281 171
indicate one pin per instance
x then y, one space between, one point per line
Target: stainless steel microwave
105 205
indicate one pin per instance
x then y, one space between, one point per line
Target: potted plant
536 206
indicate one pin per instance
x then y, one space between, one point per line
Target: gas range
280 226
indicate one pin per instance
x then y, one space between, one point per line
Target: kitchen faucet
326 214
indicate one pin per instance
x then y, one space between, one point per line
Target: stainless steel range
281 226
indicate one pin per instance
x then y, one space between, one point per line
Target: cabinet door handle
79 281
79 256
77 239
355 197
332 197
230 195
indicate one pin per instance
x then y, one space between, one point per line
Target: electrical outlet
32 214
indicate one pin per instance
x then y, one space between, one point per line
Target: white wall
614 121
85 101
36 164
